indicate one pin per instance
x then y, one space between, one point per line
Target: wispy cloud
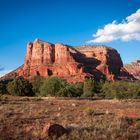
4 71
128 29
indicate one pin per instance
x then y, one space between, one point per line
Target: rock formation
71 63
54 130
134 68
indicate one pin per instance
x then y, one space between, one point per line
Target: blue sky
68 21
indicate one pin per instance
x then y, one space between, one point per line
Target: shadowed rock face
134 68
73 64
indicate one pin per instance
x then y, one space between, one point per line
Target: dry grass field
25 118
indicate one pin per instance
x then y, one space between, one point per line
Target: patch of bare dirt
25 118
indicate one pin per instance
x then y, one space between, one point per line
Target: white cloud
4 71
128 29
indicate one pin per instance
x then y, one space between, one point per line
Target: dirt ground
25 118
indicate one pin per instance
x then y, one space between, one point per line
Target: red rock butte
71 63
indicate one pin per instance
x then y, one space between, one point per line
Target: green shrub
88 89
89 111
36 84
71 90
51 86
78 88
3 88
121 90
98 87
54 86
20 87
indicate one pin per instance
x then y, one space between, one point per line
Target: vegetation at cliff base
20 87
121 89
36 84
91 87
54 86
71 90
88 89
3 89
51 86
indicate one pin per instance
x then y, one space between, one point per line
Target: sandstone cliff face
104 59
134 68
73 64
46 59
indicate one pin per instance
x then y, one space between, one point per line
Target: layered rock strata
71 63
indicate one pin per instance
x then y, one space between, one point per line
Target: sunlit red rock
134 68
71 63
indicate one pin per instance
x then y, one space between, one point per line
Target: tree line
54 86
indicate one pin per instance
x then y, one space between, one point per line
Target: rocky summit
71 63
134 68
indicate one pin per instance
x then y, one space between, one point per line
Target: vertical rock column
49 53
62 54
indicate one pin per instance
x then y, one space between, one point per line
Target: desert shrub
3 88
97 89
36 84
54 86
71 90
88 88
121 89
78 89
51 86
89 111
20 87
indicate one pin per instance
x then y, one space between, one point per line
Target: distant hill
134 68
